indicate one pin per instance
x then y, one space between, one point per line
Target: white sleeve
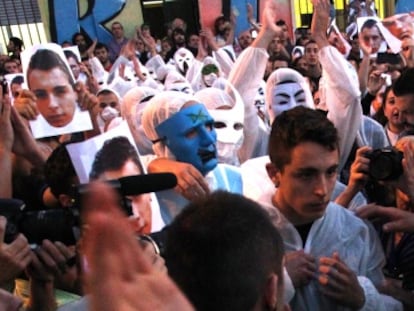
342 97
194 72
225 61
245 76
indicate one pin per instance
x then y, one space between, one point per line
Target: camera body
63 224
385 164
53 224
3 85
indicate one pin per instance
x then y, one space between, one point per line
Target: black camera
63 224
53 224
3 85
385 164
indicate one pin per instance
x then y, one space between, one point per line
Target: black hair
59 172
369 23
220 250
101 45
379 115
404 84
113 155
18 43
45 59
298 125
71 54
17 80
311 41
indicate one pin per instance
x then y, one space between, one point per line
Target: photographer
397 242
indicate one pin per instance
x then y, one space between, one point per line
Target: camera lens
385 164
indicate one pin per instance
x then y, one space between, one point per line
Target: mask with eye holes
183 59
190 136
227 110
286 96
285 89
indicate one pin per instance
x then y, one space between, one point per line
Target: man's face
16 89
407 50
117 31
306 183
74 66
405 105
372 38
311 54
302 64
141 204
80 41
11 47
193 41
179 38
245 39
55 97
108 106
178 23
391 111
11 67
284 33
102 55
276 45
191 137
139 46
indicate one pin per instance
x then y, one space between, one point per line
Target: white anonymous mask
183 59
285 97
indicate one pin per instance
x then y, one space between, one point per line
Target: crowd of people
292 160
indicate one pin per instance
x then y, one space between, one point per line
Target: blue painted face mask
190 136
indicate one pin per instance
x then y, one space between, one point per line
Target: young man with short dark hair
225 254
332 258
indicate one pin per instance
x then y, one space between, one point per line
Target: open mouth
206 155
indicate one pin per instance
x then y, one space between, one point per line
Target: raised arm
247 81
126 281
340 83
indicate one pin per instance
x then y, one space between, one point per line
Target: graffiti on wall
64 18
404 6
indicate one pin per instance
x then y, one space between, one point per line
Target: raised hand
119 274
190 182
320 21
25 105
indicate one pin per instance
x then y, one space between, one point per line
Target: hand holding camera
14 257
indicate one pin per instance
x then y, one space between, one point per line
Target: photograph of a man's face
49 77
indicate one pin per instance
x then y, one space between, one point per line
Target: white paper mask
109 113
183 59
